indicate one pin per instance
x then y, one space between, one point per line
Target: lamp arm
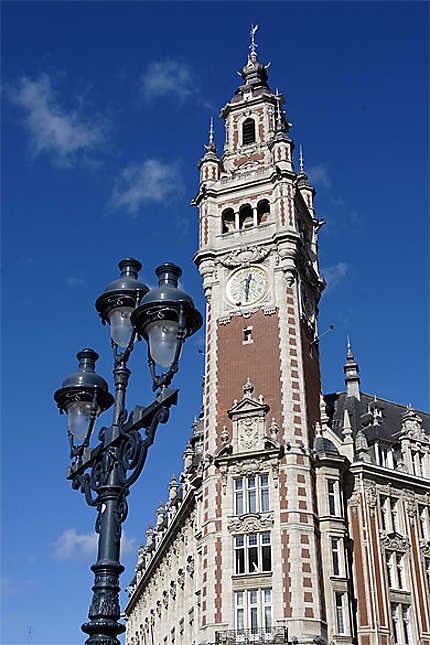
134 452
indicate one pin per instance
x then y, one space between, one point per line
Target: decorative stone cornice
251 523
394 542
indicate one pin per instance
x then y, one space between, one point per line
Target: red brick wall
259 360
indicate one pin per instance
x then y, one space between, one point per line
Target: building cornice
384 475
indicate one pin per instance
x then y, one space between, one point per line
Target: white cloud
72 545
167 78
74 281
319 174
334 274
151 181
62 133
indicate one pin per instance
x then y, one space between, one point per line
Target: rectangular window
253 611
422 516
253 553
239 507
335 555
340 614
405 624
267 609
240 610
399 568
239 547
394 620
251 495
388 556
264 493
383 500
395 515
331 496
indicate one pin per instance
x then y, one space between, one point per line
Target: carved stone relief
251 523
245 255
394 542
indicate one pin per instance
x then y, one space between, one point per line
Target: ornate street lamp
164 317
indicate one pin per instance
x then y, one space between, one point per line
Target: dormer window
248 131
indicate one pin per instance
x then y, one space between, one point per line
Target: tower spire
253 44
211 132
302 168
351 369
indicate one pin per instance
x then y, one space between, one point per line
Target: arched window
246 219
228 224
248 131
263 211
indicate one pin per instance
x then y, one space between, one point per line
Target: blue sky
106 109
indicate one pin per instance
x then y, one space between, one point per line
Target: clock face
247 285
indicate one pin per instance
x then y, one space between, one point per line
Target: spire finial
278 110
211 131
253 44
302 168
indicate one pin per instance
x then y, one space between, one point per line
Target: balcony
275 635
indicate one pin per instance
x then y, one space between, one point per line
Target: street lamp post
164 317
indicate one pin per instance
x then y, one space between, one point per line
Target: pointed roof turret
351 369
211 146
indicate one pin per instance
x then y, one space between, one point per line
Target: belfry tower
297 519
258 258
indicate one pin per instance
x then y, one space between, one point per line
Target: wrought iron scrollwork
104 475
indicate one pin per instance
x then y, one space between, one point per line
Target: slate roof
385 427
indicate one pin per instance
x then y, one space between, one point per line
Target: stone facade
281 527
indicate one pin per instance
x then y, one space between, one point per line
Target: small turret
210 164
306 190
352 380
281 145
348 441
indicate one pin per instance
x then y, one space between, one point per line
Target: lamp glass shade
79 413
121 328
162 339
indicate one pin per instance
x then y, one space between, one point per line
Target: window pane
239 540
268 619
339 614
394 620
254 619
267 558
253 559
252 539
264 500
264 480
240 623
251 482
265 538
238 484
240 561
239 504
253 597
252 501
267 594
239 598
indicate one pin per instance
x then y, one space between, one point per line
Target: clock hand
248 280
